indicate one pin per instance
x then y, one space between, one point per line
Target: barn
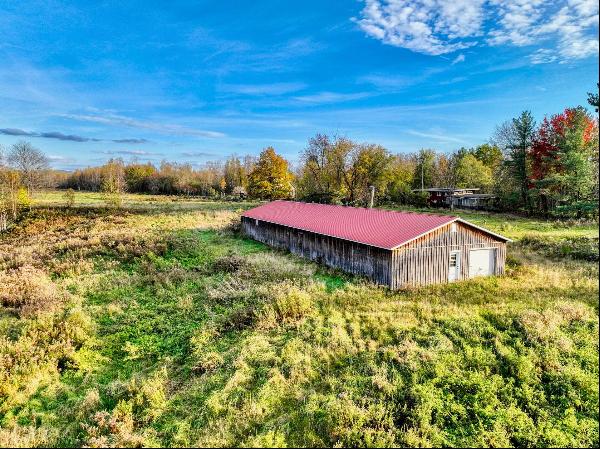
397 249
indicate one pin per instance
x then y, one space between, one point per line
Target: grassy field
158 324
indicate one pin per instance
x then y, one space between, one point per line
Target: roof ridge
379 209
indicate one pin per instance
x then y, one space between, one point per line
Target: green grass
516 226
161 325
134 201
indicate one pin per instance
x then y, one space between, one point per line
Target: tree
490 155
515 137
30 162
234 173
113 182
401 172
137 176
470 172
323 166
563 161
425 169
593 99
271 178
367 166
69 197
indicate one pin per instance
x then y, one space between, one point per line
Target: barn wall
427 260
355 258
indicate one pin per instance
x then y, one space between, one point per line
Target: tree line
266 177
549 168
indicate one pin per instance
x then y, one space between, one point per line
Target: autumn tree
271 178
234 174
10 182
138 176
113 182
324 160
400 174
367 165
29 162
564 162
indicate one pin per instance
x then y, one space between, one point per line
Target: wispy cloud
14 132
231 55
131 152
331 97
47 135
65 137
568 28
56 158
263 89
130 141
458 59
435 136
120 120
201 154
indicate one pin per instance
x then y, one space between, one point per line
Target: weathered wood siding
426 260
355 258
423 261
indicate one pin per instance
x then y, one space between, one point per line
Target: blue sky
193 81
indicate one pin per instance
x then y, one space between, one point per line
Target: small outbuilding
459 198
392 248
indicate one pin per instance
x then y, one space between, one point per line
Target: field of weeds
159 325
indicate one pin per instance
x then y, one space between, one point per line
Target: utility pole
372 188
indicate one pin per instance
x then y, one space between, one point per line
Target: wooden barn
396 249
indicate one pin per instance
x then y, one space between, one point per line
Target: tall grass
166 327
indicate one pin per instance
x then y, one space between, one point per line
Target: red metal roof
374 227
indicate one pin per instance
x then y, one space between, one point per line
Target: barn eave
456 220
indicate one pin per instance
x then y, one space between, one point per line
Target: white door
454 270
481 262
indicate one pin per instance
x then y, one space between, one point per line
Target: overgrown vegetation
162 326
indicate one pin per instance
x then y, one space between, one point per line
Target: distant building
392 248
461 198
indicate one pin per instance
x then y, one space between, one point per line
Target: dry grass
164 327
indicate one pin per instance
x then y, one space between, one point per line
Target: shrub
287 304
582 248
28 290
230 263
69 197
25 436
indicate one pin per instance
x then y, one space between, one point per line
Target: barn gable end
426 260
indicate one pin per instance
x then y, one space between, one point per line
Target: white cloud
459 58
562 31
426 26
331 97
263 89
435 136
543 56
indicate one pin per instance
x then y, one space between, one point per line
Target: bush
69 197
28 290
287 304
582 248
